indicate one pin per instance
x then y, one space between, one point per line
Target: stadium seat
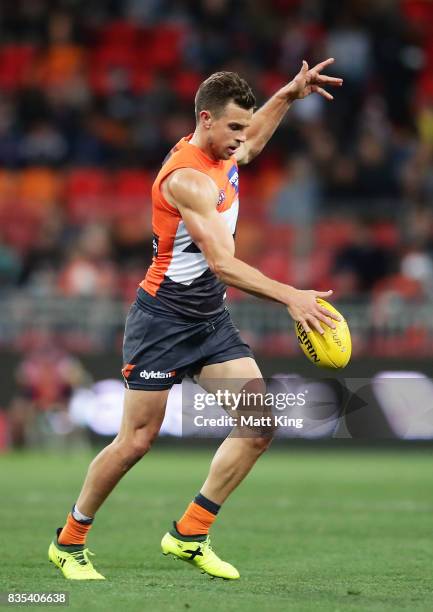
163 51
119 32
133 191
142 79
19 226
110 65
270 82
398 284
386 234
8 188
86 193
185 84
418 12
320 266
60 63
251 205
38 190
277 264
280 236
114 55
15 65
333 234
246 185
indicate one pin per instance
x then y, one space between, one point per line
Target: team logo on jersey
221 197
234 177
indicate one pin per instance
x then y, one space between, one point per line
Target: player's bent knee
142 441
134 446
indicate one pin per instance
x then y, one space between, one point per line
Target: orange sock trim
73 532
196 520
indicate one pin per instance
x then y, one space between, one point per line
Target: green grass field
323 530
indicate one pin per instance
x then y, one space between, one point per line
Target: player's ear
206 118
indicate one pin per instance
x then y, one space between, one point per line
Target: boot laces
82 556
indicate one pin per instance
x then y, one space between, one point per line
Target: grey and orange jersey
179 276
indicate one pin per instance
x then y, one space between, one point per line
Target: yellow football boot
73 561
197 551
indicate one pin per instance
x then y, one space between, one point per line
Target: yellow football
330 350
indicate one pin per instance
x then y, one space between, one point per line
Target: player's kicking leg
189 539
142 418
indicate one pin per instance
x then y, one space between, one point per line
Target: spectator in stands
89 270
298 199
417 264
46 252
375 176
43 144
359 266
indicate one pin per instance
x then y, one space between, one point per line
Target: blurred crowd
45 381
94 94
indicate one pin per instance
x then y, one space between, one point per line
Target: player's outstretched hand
310 80
303 307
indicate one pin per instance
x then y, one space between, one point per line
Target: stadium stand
91 99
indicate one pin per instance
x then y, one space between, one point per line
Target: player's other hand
310 80
303 307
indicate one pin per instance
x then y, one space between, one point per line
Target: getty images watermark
241 407
389 405
253 409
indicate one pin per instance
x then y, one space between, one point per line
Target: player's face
227 131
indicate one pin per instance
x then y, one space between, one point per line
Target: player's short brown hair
221 88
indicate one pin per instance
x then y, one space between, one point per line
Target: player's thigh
232 376
143 410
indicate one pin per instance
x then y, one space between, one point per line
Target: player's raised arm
267 118
195 196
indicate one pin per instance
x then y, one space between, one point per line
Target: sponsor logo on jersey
156 374
234 178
